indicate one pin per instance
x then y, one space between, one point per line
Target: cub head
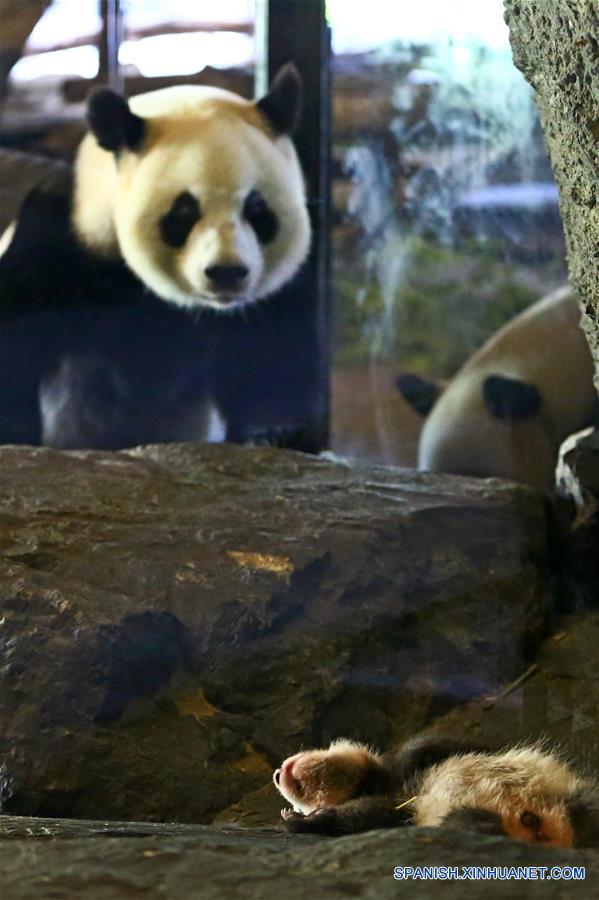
532 795
198 190
320 778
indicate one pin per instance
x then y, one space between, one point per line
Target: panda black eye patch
179 220
260 216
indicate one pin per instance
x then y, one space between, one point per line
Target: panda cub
523 792
198 190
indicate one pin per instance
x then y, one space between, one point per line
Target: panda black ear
113 124
282 105
420 393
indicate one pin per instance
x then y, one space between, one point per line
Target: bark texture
556 45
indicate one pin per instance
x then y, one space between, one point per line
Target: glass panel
50 49
64 42
165 42
261 368
175 37
446 212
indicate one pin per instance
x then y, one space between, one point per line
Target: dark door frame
292 31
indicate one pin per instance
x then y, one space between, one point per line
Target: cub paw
288 814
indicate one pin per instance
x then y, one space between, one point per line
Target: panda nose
226 277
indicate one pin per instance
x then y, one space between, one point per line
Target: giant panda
525 792
511 405
187 203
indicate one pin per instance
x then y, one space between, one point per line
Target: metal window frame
296 31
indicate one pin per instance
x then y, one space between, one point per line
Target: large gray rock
556 698
556 45
177 619
112 861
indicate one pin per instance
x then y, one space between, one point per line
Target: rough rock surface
114 861
558 698
556 45
177 619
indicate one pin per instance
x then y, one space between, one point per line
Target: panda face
214 221
205 201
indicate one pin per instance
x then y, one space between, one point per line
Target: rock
556 45
577 482
177 619
557 698
114 860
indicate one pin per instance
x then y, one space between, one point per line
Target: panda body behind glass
129 292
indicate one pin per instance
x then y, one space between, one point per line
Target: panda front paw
321 821
307 439
294 822
287 814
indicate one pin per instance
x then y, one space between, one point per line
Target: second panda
511 405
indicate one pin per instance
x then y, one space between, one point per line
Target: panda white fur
512 404
199 190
